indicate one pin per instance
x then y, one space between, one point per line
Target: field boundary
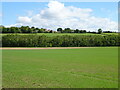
39 48
27 48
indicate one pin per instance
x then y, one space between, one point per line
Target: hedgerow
60 41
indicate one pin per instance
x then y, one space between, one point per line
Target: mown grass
61 68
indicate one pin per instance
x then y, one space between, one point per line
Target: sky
52 15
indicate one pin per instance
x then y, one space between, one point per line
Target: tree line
27 29
60 41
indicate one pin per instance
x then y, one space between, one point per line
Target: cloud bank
58 15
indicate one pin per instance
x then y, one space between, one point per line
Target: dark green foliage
59 30
22 29
27 29
59 41
76 31
99 31
67 30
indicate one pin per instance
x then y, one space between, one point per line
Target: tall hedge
60 41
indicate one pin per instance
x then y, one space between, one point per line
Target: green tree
76 31
59 30
13 30
25 29
67 30
99 31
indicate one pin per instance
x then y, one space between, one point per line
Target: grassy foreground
63 68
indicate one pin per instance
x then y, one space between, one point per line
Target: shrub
59 41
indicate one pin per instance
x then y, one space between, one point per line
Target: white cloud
58 15
24 20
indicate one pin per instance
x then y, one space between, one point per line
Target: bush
59 41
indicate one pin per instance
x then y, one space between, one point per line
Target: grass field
59 34
61 68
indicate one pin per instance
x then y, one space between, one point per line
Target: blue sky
12 10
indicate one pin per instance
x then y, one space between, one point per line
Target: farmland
58 34
61 68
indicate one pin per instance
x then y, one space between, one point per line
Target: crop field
61 68
59 34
